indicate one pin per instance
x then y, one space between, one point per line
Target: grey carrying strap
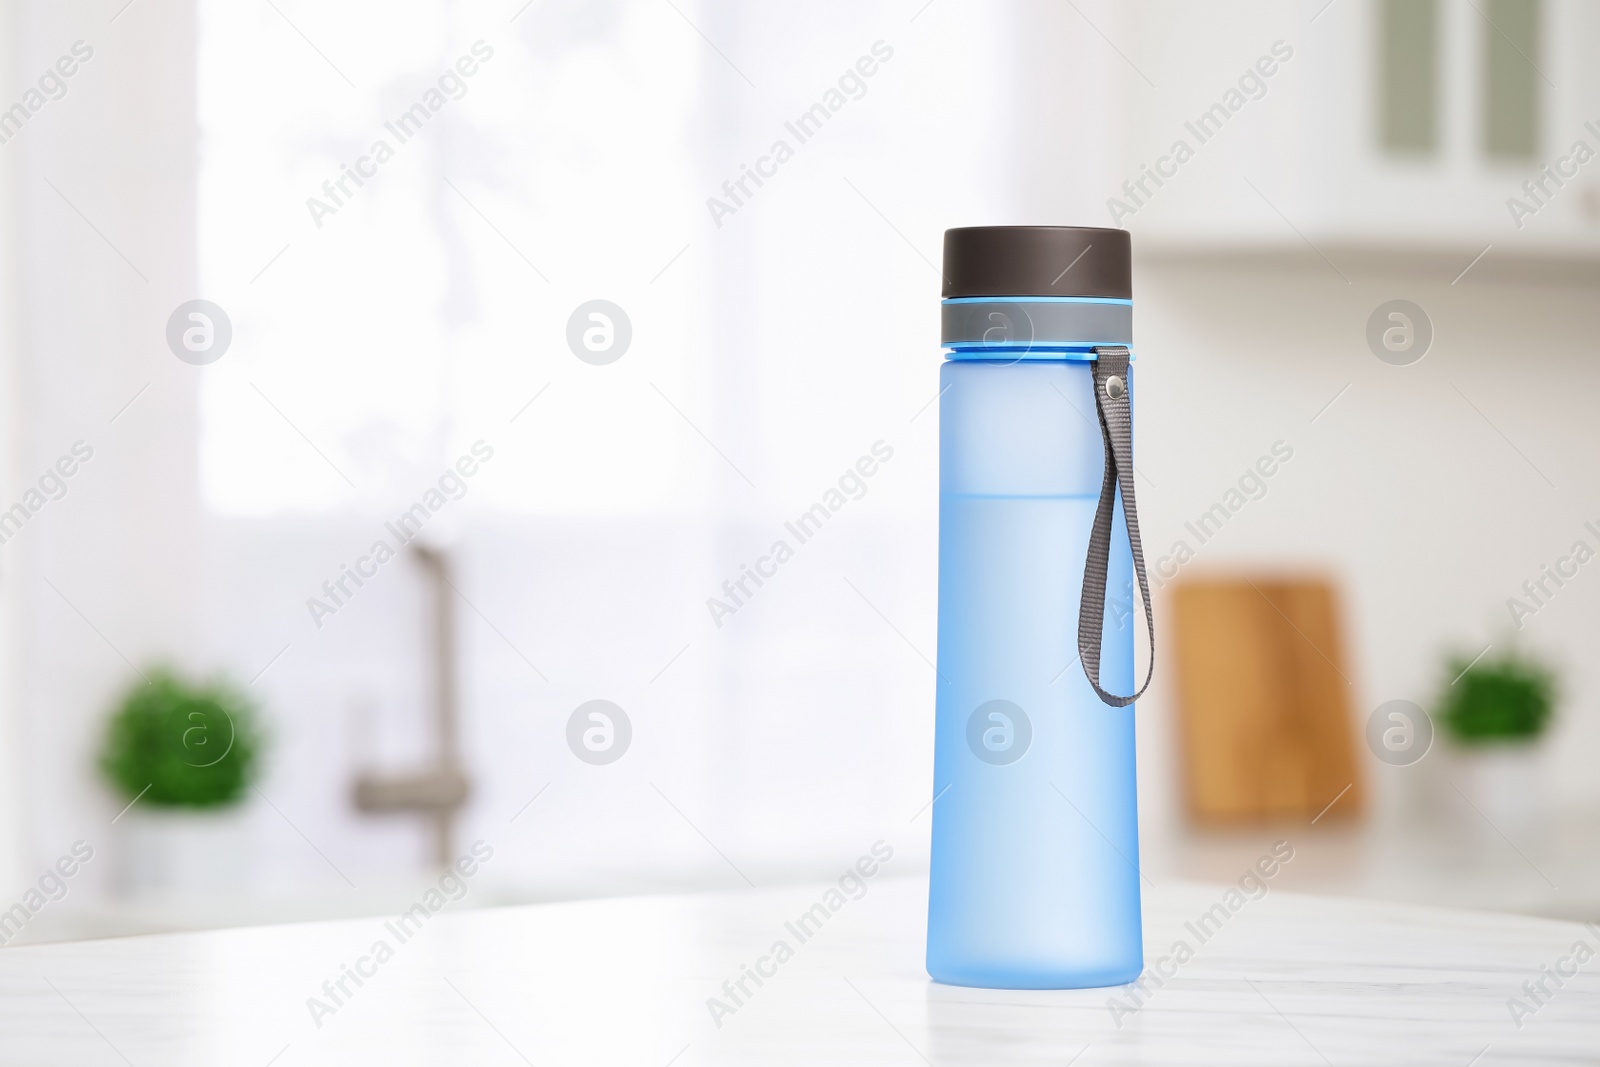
1116 429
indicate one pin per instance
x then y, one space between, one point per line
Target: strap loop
1116 430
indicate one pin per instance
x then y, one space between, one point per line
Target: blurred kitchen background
774 340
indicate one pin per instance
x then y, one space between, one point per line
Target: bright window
381 330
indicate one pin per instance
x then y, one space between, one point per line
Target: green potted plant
182 755
1494 712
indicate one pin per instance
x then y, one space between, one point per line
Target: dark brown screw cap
1005 261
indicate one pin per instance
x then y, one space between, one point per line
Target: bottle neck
1033 327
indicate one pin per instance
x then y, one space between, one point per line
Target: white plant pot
182 852
1505 784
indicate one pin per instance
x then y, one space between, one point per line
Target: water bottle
1035 862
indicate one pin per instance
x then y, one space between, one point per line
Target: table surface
1286 980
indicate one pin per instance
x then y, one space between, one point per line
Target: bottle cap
1012 261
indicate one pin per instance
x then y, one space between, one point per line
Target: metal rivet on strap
1115 388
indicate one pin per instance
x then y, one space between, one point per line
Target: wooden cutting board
1264 701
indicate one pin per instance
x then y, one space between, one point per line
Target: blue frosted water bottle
1035 876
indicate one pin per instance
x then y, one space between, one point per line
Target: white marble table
1286 980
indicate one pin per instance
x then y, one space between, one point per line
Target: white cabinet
1289 140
